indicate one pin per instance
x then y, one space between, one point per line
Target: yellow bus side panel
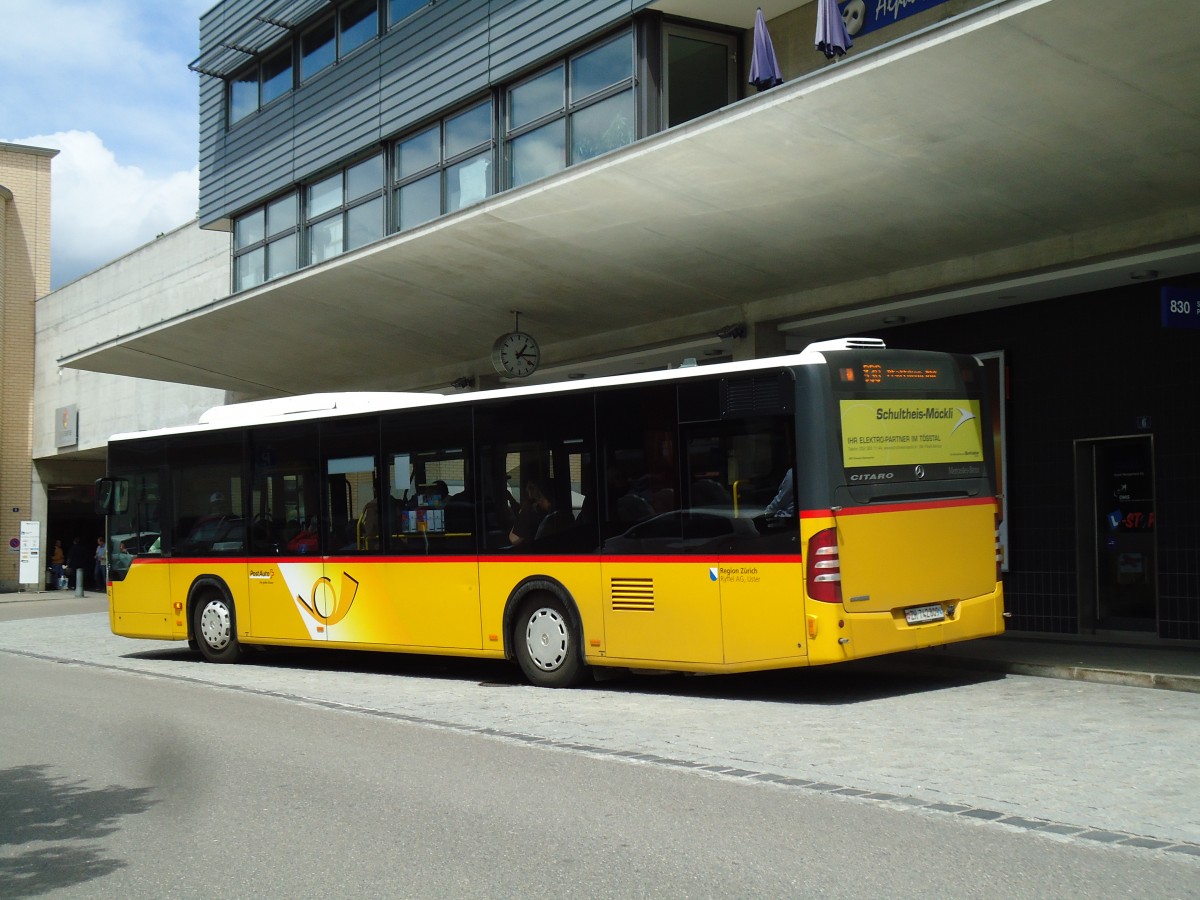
141 605
432 604
762 610
497 581
662 611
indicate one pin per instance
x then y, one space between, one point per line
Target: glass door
1117 552
701 73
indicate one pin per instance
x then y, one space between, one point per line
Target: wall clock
516 355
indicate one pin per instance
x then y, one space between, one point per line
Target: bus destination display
877 374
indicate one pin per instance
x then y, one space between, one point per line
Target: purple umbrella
832 39
764 67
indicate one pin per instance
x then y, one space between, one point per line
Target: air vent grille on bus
633 594
756 394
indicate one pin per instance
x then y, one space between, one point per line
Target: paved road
1074 761
117 785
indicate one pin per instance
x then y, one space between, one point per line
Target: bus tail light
824 573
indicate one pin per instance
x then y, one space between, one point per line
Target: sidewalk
47 594
1080 659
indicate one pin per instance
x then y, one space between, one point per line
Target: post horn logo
325 604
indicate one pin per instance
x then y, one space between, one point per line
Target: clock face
516 355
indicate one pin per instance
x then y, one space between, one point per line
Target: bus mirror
112 496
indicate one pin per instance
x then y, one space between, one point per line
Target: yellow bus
804 510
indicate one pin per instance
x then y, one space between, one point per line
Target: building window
358 22
318 48
571 112
266 243
277 75
259 85
402 9
444 167
243 95
345 210
335 36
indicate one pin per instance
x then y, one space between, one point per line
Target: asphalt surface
1067 758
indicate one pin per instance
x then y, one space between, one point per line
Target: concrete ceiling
1031 148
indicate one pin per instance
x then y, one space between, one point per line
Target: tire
546 643
214 628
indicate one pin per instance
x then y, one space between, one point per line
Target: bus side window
736 470
284 491
640 464
429 491
537 457
206 490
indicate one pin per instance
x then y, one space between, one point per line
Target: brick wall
24 276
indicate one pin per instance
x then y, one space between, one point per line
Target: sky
106 83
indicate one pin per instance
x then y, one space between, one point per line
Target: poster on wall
994 375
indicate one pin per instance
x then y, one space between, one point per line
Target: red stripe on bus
528 559
895 507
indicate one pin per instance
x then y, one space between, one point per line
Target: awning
1025 138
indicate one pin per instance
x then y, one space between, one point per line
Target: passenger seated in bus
535 506
366 536
560 518
308 540
783 505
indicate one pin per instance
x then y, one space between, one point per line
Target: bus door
740 486
286 571
350 599
661 598
425 591
139 593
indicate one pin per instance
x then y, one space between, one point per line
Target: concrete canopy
1029 148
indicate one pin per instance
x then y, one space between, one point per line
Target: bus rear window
907 418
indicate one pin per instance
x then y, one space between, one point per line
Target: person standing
100 571
58 561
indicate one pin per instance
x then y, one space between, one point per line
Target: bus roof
304 407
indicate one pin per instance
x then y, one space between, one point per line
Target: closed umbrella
832 39
764 67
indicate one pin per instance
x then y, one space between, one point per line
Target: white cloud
101 209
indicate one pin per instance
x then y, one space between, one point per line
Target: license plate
919 615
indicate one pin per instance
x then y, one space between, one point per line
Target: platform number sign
1180 307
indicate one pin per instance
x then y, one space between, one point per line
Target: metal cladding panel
337 112
524 32
439 57
436 60
259 158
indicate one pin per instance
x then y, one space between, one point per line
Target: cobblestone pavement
1069 759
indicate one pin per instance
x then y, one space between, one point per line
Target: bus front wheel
213 629
547 643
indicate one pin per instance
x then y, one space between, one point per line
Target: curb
1157 680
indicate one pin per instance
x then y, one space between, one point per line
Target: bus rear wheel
547 643
214 629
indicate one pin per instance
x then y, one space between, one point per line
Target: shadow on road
852 682
51 826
